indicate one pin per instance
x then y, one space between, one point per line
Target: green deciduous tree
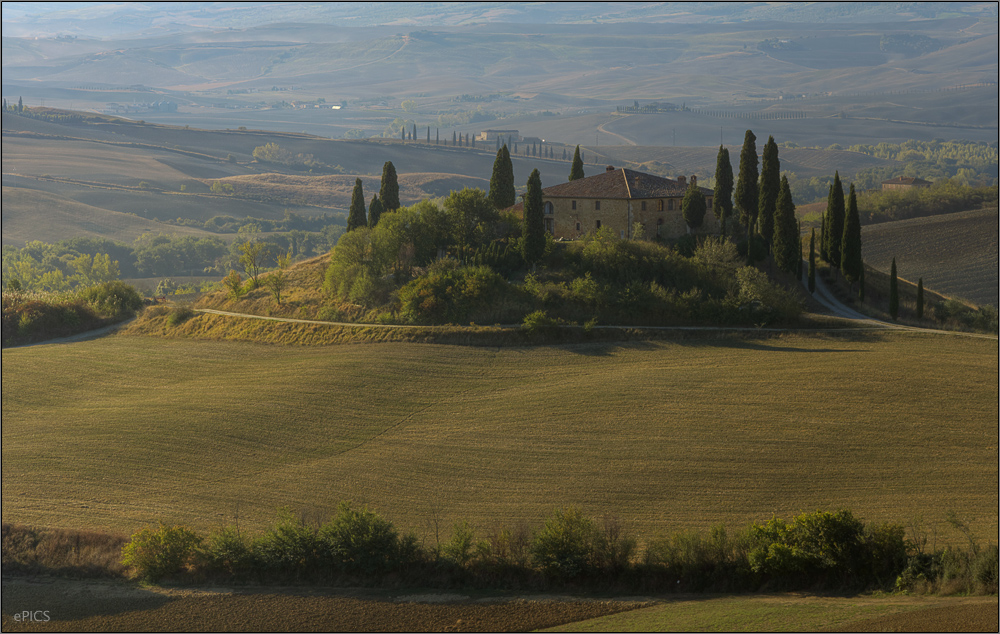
388 193
835 221
693 206
576 170
234 283
770 187
722 199
356 217
850 243
787 249
253 251
893 292
533 246
746 183
467 210
374 211
502 192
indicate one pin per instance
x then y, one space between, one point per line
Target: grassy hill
667 436
955 254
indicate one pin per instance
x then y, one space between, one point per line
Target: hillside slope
955 254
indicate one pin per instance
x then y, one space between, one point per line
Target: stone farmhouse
618 199
904 182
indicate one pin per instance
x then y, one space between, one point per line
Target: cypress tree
388 192
502 193
473 142
920 298
746 184
835 222
498 143
515 148
787 249
454 138
356 217
850 244
403 135
533 244
722 198
893 292
20 105
576 170
564 154
374 212
437 136
413 134
534 149
428 135
693 206
770 186
812 261
826 221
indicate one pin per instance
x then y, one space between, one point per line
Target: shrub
113 299
449 293
460 548
564 546
154 554
364 543
226 551
291 548
179 315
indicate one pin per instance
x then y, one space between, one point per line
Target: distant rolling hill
955 254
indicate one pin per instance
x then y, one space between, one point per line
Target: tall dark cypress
812 261
850 244
823 227
454 138
374 211
746 183
413 134
388 192
533 245
835 222
722 197
920 298
576 170
893 292
787 248
428 134
502 193
770 186
356 217
437 136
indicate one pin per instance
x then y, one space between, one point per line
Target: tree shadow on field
70 600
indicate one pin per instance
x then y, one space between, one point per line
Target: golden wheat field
125 431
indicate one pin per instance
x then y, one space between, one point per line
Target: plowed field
956 254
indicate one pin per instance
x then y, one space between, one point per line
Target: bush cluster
819 550
395 270
29 316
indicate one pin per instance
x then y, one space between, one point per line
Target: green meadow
116 433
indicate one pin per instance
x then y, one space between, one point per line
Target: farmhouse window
572 205
670 205
659 222
598 225
597 205
643 205
659 205
578 226
548 208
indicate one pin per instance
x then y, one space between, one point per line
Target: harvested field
956 254
668 436
965 617
801 613
109 607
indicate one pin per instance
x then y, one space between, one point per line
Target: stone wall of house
573 224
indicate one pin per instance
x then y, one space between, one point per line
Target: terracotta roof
621 184
906 180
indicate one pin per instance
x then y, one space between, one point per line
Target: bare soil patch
967 617
101 606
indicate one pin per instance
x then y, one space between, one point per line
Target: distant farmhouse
618 199
503 135
904 182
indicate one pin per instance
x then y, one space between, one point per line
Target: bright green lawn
123 431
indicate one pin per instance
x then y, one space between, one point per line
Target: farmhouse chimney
682 180
609 168
694 180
